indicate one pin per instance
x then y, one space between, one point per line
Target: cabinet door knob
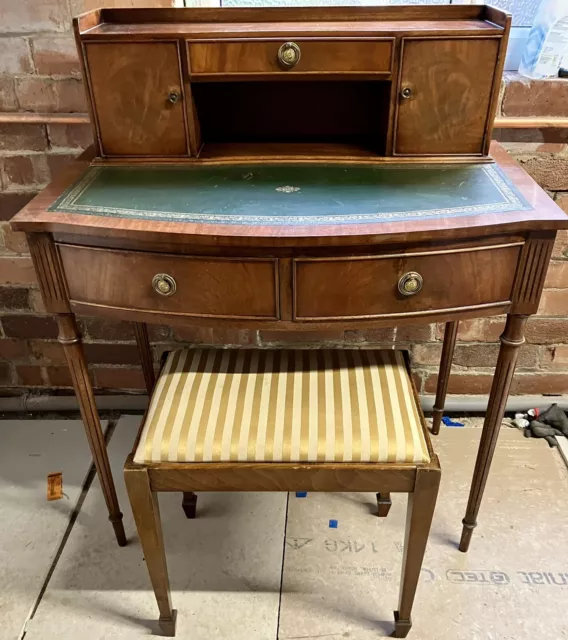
410 283
289 55
173 97
164 284
406 93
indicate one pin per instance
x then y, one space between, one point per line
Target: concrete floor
267 566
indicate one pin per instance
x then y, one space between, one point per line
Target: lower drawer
404 284
186 285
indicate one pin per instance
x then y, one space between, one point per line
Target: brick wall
39 72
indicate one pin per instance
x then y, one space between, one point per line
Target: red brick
109 353
55 55
426 354
59 376
554 303
560 249
58 161
6 375
525 97
111 330
414 333
36 302
207 335
15 57
8 100
461 383
548 169
70 136
476 330
24 16
50 94
558 358
539 383
24 326
16 270
300 337
47 352
14 298
557 275
15 137
11 203
119 378
363 336
13 240
25 170
546 330
485 355
561 200
29 375
13 349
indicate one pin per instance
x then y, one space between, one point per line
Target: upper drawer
368 287
173 284
362 56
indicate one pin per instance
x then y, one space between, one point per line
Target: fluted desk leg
511 340
450 335
70 339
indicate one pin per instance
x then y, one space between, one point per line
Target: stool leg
144 503
189 504
448 347
384 503
421 503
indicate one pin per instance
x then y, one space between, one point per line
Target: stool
287 420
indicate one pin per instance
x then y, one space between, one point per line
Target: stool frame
421 482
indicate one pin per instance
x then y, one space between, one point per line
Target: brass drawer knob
164 284
289 55
173 97
410 283
406 93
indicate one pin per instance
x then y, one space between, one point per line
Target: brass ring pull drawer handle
289 55
164 284
174 96
410 283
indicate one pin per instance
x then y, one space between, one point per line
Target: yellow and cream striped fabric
214 405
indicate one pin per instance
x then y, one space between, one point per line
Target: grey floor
268 566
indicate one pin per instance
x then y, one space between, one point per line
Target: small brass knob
410 283
289 55
164 284
406 93
173 97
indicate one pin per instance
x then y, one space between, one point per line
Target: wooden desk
290 276
293 169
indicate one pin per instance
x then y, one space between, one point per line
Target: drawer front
368 287
302 56
203 286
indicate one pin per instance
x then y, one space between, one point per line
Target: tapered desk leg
450 335
511 340
71 341
145 351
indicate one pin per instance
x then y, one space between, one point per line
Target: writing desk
293 169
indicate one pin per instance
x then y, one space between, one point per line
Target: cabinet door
138 98
444 95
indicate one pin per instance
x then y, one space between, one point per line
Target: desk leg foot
450 335
70 340
511 341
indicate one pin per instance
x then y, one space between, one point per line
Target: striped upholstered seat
212 405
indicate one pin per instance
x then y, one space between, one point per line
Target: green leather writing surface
288 194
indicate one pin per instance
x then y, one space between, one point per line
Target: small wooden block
55 486
401 627
168 625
